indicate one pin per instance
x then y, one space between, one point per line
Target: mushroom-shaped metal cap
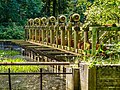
36 21
62 18
28 22
43 20
31 22
52 19
75 17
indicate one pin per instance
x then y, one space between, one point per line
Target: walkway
43 50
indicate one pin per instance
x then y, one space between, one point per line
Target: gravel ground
32 82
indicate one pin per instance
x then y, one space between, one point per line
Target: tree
103 12
54 7
13 16
19 10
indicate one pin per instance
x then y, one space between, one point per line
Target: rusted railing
69 34
9 73
34 63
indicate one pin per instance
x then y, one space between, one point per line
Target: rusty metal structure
69 35
61 41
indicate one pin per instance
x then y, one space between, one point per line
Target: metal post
76 79
41 79
94 39
69 29
51 34
10 87
62 36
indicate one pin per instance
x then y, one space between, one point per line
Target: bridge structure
64 39
69 36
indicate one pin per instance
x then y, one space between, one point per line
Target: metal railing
41 73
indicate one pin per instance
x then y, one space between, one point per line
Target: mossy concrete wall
100 77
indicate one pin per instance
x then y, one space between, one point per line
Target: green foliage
19 10
105 57
8 53
17 68
103 12
78 6
92 12
11 32
13 16
114 51
57 6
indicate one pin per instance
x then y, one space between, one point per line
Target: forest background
15 13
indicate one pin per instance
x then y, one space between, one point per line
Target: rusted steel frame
77 54
56 52
34 63
9 77
109 28
24 44
45 49
28 45
31 73
41 52
65 56
36 47
46 54
41 79
52 57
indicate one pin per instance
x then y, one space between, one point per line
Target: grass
18 68
8 53
92 61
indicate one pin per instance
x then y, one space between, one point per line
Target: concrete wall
105 77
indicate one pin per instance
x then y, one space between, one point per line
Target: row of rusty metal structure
56 32
68 34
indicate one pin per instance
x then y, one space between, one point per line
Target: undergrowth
18 68
8 53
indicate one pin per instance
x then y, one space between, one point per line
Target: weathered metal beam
31 73
50 52
94 40
56 52
111 45
34 46
34 63
45 49
65 56
107 28
28 44
70 52
48 55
